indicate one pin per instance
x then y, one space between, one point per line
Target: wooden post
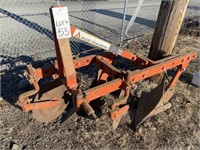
167 28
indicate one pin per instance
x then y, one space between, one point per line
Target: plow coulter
47 102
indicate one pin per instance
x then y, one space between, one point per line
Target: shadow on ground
139 20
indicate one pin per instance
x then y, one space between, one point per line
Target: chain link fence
26 34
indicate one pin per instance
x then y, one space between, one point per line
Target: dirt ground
176 128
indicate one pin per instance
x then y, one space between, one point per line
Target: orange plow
47 102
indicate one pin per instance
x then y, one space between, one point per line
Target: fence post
123 23
131 22
167 28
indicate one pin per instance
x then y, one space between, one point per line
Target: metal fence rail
25 26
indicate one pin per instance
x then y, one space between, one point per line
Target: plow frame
120 79
64 69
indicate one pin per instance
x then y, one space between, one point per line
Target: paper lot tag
86 37
61 21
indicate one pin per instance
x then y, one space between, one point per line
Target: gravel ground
176 128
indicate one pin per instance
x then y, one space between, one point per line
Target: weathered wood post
167 28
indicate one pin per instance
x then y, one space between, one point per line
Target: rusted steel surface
120 80
52 99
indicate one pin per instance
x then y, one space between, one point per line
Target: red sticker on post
61 21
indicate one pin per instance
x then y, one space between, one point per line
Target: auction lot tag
61 21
